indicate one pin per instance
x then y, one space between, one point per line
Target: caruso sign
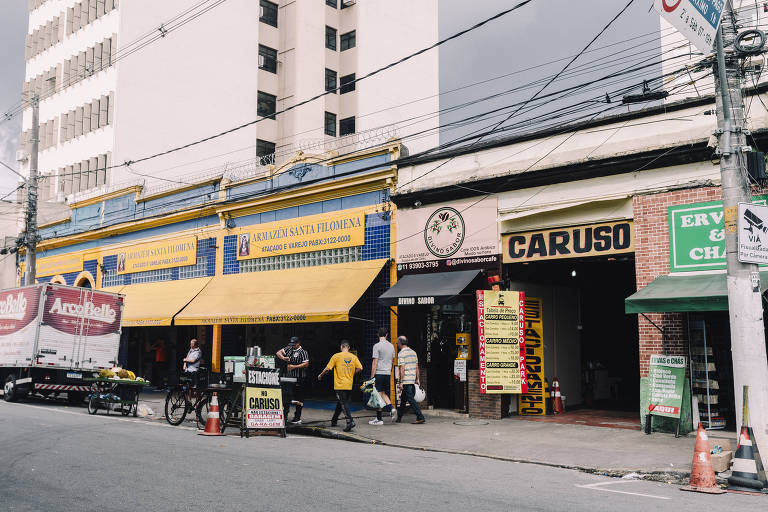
574 242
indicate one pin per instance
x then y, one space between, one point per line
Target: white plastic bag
376 402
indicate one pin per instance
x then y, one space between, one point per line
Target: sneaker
334 423
418 422
376 422
349 427
393 413
398 420
295 421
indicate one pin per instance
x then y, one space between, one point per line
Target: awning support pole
216 349
663 332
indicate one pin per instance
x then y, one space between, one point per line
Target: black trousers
293 392
343 397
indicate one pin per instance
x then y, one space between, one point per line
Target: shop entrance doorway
590 344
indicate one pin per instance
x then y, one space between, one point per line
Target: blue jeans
407 397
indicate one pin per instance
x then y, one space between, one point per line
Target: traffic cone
557 401
758 460
212 427
744 478
702 472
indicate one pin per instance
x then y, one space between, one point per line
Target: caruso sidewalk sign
697 236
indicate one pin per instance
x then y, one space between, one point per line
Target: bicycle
183 398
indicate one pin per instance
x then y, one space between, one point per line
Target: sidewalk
614 451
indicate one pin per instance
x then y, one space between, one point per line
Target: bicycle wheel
201 413
175 406
92 404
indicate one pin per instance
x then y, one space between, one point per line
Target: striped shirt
296 356
408 359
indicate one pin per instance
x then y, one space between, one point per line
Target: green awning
676 294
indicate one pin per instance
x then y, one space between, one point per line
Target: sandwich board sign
753 233
697 20
262 401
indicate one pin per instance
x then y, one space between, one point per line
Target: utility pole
31 216
745 306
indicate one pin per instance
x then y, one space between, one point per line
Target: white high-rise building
121 81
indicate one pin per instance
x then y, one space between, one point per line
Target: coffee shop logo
444 232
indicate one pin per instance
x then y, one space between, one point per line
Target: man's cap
295 340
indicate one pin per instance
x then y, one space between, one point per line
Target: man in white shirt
381 369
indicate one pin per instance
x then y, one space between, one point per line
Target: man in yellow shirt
344 365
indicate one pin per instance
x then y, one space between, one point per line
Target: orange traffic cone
557 399
744 478
212 427
702 472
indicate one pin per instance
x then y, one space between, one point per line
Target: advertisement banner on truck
81 311
18 310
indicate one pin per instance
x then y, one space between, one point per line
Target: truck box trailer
53 336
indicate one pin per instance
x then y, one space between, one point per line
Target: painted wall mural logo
444 232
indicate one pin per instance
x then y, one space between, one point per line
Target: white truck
52 337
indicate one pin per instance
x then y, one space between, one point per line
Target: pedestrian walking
381 371
344 365
294 381
408 362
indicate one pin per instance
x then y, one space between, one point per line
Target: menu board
667 376
501 335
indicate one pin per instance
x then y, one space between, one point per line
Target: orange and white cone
557 399
744 477
702 472
212 426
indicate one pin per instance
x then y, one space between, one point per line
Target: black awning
426 289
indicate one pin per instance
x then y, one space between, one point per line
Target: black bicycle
185 397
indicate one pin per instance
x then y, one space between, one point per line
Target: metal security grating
304 259
199 269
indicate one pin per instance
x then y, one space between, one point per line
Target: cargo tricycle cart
116 395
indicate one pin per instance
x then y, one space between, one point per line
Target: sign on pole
501 340
533 403
697 20
666 376
753 233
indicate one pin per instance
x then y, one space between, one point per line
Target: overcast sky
13 27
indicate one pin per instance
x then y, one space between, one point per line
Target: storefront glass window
304 259
199 269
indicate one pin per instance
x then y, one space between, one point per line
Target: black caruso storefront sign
572 242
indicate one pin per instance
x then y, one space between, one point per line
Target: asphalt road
54 457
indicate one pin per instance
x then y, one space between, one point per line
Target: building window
347 40
304 259
330 124
330 38
268 13
199 269
331 3
267 59
347 83
347 126
330 80
265 151
266 105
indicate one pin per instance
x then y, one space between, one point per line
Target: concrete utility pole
745 305
31 217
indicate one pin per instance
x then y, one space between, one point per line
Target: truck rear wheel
10 390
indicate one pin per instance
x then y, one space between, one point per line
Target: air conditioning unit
348 3
261 61
21 155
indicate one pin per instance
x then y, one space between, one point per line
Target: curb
671 477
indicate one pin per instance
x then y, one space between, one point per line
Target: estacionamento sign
533 402
501 340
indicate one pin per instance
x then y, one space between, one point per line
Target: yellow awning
156 303
308 294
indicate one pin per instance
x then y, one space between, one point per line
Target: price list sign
666 375
501 334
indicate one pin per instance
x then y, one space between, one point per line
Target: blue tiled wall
230 255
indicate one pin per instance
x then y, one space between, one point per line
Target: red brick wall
480 405
652 260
